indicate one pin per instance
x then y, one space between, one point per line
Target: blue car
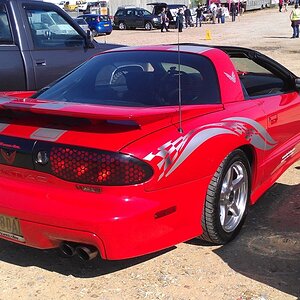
98 24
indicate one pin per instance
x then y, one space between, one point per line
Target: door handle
273 119
41 62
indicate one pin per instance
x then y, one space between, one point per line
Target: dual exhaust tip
84 252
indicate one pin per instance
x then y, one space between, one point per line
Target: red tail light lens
97 167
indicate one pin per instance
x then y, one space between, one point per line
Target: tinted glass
139 78
5 32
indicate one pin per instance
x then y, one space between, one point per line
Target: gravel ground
263 263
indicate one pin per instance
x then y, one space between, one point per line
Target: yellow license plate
106 25
10 227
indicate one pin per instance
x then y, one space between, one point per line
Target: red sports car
141 148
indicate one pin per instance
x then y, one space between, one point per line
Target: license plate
10 227
106 25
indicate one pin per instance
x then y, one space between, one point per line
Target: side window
5 32
120 13
130 12
51 30
256 79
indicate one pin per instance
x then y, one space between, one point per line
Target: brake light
90 166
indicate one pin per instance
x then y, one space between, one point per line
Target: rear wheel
148 26
227 199
122 26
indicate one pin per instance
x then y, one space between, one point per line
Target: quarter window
256 80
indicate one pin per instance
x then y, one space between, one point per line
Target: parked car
98 24
131 153
134 17
82 23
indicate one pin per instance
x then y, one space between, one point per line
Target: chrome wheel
122 26
148 26
227 199
233 196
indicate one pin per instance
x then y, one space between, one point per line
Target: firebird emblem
231 77
9 156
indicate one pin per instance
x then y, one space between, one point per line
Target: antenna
179 87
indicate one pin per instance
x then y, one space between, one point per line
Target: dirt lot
263 263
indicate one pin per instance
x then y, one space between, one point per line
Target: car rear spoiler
138 116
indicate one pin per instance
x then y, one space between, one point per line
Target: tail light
90 166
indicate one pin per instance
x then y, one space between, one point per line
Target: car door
12 71
139 18
273 88
56 46
130 18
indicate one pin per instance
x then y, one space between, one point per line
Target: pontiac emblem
8 156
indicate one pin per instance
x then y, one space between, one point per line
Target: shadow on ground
53 260
268 249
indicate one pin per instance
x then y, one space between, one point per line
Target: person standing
222 14
199 16
285 4
164 20
295 19
280 4
233 10
188 17
179 20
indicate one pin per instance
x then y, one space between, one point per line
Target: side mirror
297 83
89 40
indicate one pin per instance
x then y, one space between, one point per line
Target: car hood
96 126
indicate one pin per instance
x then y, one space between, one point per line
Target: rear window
80 21
139 78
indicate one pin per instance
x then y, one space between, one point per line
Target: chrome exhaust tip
86 252
68 249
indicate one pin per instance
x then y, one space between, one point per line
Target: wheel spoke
223 212
234 209
238 182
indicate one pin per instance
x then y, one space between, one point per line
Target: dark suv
135 17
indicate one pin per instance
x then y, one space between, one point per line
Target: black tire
148 26
122 26
220 199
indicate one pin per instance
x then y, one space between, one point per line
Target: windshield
138 78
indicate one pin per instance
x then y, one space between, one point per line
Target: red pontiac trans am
141 148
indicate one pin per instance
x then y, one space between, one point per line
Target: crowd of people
215 13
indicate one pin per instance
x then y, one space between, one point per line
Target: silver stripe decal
3 126
53 106
196 141
173 153
47 134
257 126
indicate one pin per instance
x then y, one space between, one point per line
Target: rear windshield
80 21
138 78
103 18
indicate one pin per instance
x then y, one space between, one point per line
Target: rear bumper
121 225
